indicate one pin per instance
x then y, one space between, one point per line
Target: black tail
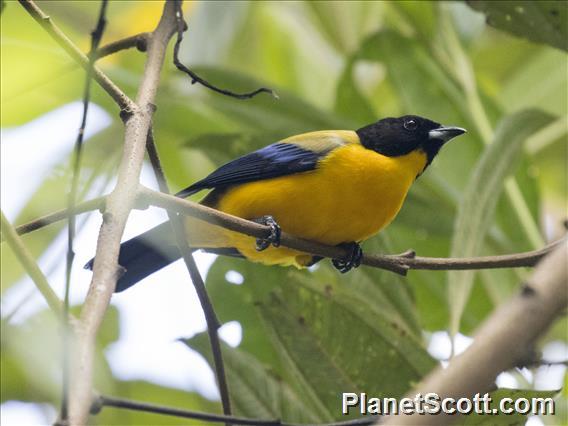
145 254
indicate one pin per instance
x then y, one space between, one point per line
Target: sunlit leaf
327 337
477 207
37 345
541 21
256 391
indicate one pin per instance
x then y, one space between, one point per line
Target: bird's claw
353 259
274 237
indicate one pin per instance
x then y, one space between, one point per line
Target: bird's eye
410 124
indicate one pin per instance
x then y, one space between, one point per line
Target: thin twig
395 263
30 265
391 262
139 41
107 401
181 28
96 36
213 323
546 363
41 222
501 341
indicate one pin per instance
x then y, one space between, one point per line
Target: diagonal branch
41 222
30 265
210 315
96 36
119 202
395 263
502 340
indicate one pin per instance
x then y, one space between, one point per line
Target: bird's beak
444 134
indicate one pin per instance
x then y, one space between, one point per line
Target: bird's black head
394 137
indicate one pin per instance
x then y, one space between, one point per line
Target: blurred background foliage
309 335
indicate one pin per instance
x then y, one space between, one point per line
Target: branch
119 202
107 401
30 265
41 222
210 315
181 28
395 263
96 36
502 340
123 101
139 41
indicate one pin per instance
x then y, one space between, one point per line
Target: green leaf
512 419
32 354
539 21
37 75
316 329
229 300
524 87
477 208
345 24
256 391
329 332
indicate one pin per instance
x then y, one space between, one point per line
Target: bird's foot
353 259
275 232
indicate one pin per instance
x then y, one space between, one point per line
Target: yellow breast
352 195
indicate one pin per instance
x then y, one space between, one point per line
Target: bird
335 187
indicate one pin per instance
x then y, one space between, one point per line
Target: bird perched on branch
335 187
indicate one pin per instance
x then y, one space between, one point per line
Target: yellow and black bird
336 187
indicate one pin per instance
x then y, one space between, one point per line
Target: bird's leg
353 259
275 232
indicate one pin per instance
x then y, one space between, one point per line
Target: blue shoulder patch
279 159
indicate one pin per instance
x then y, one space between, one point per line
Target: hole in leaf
231 333
234 277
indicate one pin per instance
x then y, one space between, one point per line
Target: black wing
279 159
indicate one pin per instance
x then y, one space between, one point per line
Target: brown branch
211 319
107 401
41 222
516 260
123 101
119 202
139 41
396 263
502 340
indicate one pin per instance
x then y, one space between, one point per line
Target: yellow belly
352 195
